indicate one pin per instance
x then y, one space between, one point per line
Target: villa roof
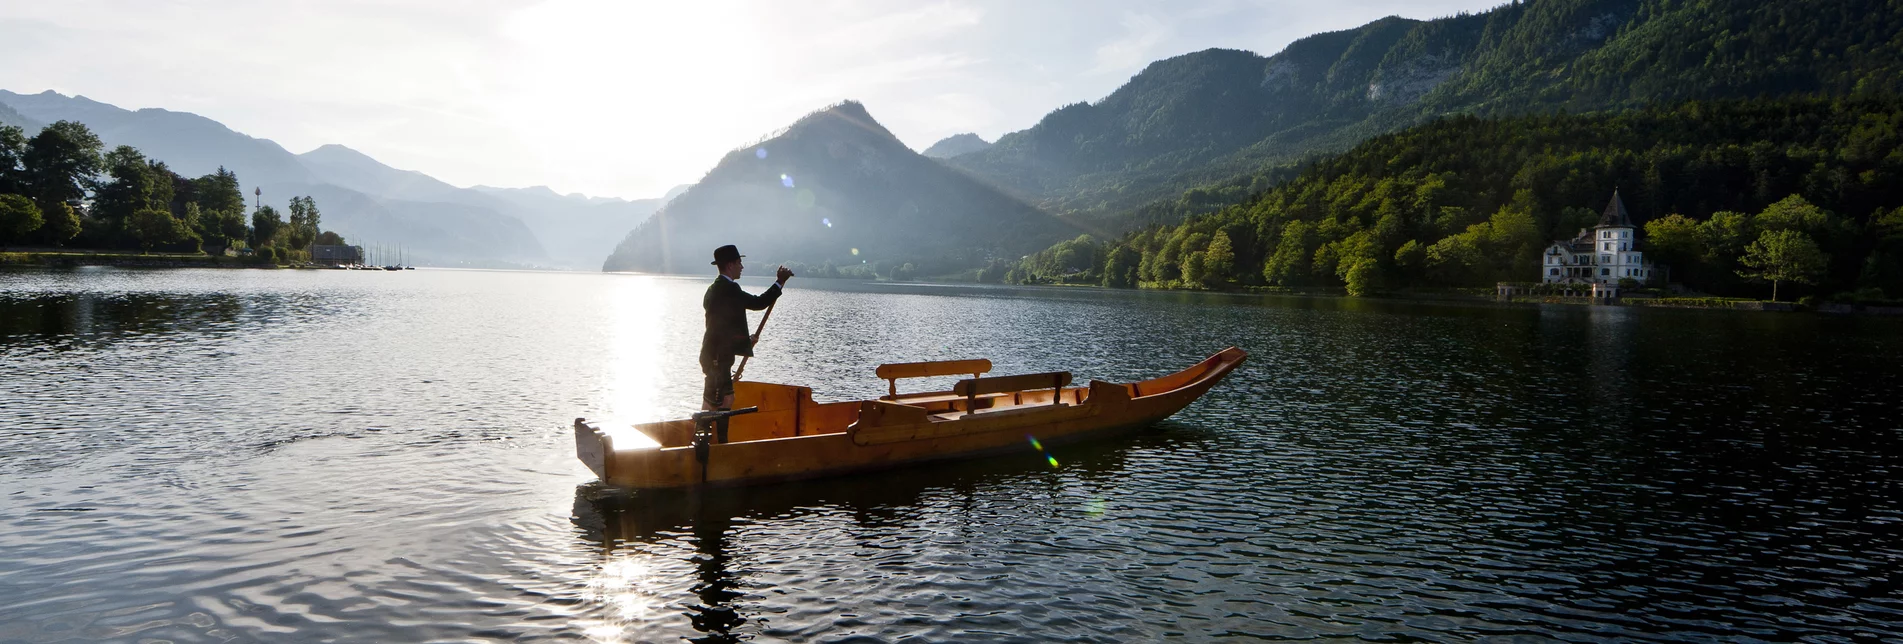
1615 215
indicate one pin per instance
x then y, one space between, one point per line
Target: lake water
247 455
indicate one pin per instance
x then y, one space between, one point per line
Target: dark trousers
719 382
718 386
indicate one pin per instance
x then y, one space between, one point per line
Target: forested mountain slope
1214 119
1466 201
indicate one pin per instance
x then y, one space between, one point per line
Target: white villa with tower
1607 253
1595 261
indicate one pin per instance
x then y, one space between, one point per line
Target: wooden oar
756 339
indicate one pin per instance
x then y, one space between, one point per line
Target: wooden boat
789 436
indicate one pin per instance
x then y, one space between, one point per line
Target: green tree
1193 269
1411 257
232 228
304 222
265 224
61 162
1362 276
1166 266
1456 259
1356 263
1288 266
136 184
1783 256
18 216
1219 260
1795 213
1673 237
13 179
1513 238
154 227
62 222
219 192
1724 236
1120 267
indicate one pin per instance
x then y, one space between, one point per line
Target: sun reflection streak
631 382
622 588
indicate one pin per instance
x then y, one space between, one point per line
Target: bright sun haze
622 99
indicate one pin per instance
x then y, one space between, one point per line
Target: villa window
1605 272
1553 272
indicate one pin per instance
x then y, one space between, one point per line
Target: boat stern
593 446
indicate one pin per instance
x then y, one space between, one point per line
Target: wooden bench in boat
893 373
971 389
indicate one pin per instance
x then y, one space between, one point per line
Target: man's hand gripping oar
780 276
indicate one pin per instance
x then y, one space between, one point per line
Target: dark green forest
1467 201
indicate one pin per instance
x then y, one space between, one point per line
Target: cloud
1142 34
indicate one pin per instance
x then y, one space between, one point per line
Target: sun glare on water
632 378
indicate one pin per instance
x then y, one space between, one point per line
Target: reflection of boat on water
720 525
791 437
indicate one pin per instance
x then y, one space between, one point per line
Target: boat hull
793 438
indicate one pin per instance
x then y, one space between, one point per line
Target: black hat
726 254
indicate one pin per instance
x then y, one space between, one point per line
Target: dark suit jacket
726 305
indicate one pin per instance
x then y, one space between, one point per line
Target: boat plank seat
894 372
972 388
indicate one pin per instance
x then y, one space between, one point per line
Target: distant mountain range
1187 135
361 198
955 145
1213 116
837 188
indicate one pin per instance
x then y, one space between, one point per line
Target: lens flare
828 222
1040 448
786 181
855 251
759 153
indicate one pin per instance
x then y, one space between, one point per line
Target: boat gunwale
1213 367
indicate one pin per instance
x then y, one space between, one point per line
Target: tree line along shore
71 201
1737 198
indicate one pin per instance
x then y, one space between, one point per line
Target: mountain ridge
836 187
956 144
1220 116
369 200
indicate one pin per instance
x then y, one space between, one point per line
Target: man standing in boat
726 306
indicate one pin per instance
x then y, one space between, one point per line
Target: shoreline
78 258
1482 295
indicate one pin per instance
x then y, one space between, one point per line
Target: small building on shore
1603 255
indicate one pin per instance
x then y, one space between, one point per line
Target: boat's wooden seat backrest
893 373
973 387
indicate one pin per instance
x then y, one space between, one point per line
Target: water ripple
278 455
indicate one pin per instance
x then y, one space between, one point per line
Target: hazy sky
620 98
